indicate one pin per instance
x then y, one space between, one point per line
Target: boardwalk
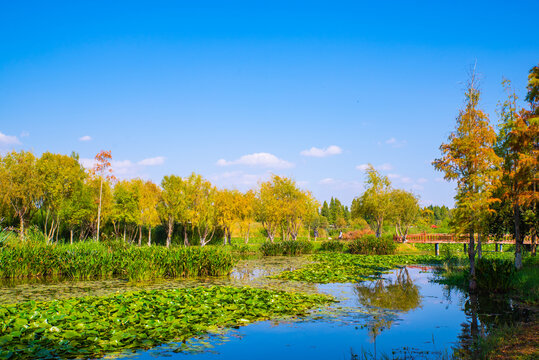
425 238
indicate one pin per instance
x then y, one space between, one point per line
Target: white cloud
406 180
316 152
8 140
237 179
327 181
395 143
87 163
382 167
25 134
341 184
266 160
422 180
158 160
125 168
85 138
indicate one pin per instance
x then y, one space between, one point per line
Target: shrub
332 245
290 248
357 234
494 275
371 245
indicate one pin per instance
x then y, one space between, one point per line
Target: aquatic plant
286 248
335 267
332 246
371 245
95 260
94 326
494 275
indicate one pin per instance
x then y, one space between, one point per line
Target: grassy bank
493 277
87 260
94 326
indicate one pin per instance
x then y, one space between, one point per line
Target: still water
402 314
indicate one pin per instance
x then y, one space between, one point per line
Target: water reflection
398 294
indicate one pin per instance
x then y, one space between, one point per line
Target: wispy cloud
158 160
265 160
394 142
85 138
126 168
237 179
382 167
341 184
8 140
317 152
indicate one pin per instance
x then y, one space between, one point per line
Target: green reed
87 260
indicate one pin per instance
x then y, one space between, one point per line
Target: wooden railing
424 238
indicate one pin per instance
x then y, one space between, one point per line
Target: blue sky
239 90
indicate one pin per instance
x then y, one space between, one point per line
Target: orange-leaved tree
103 170
469 158
518 145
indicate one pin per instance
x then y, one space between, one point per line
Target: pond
402 314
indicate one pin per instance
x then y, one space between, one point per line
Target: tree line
495 171
56 193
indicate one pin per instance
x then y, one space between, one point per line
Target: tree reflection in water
400 295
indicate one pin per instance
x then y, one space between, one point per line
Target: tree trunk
247 234
21 229
479 249
169 232
140 236
125 230
534 243
471 257
518 237
378 228
149 235
99 209
185 239
71 236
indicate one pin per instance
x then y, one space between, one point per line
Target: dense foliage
94 326
87 260
286 248
332 246
371 245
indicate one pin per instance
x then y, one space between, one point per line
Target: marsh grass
88 260
286 248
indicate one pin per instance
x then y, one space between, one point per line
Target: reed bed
88 260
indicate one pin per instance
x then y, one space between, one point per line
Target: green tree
406 211
374 205
173 204
60 177
21 185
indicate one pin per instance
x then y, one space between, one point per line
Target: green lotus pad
94 326
343 268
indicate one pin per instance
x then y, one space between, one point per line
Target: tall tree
148 201
173 204
202 212
469 158
102 169
518 145
21 185
405 211
59 175
374 205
